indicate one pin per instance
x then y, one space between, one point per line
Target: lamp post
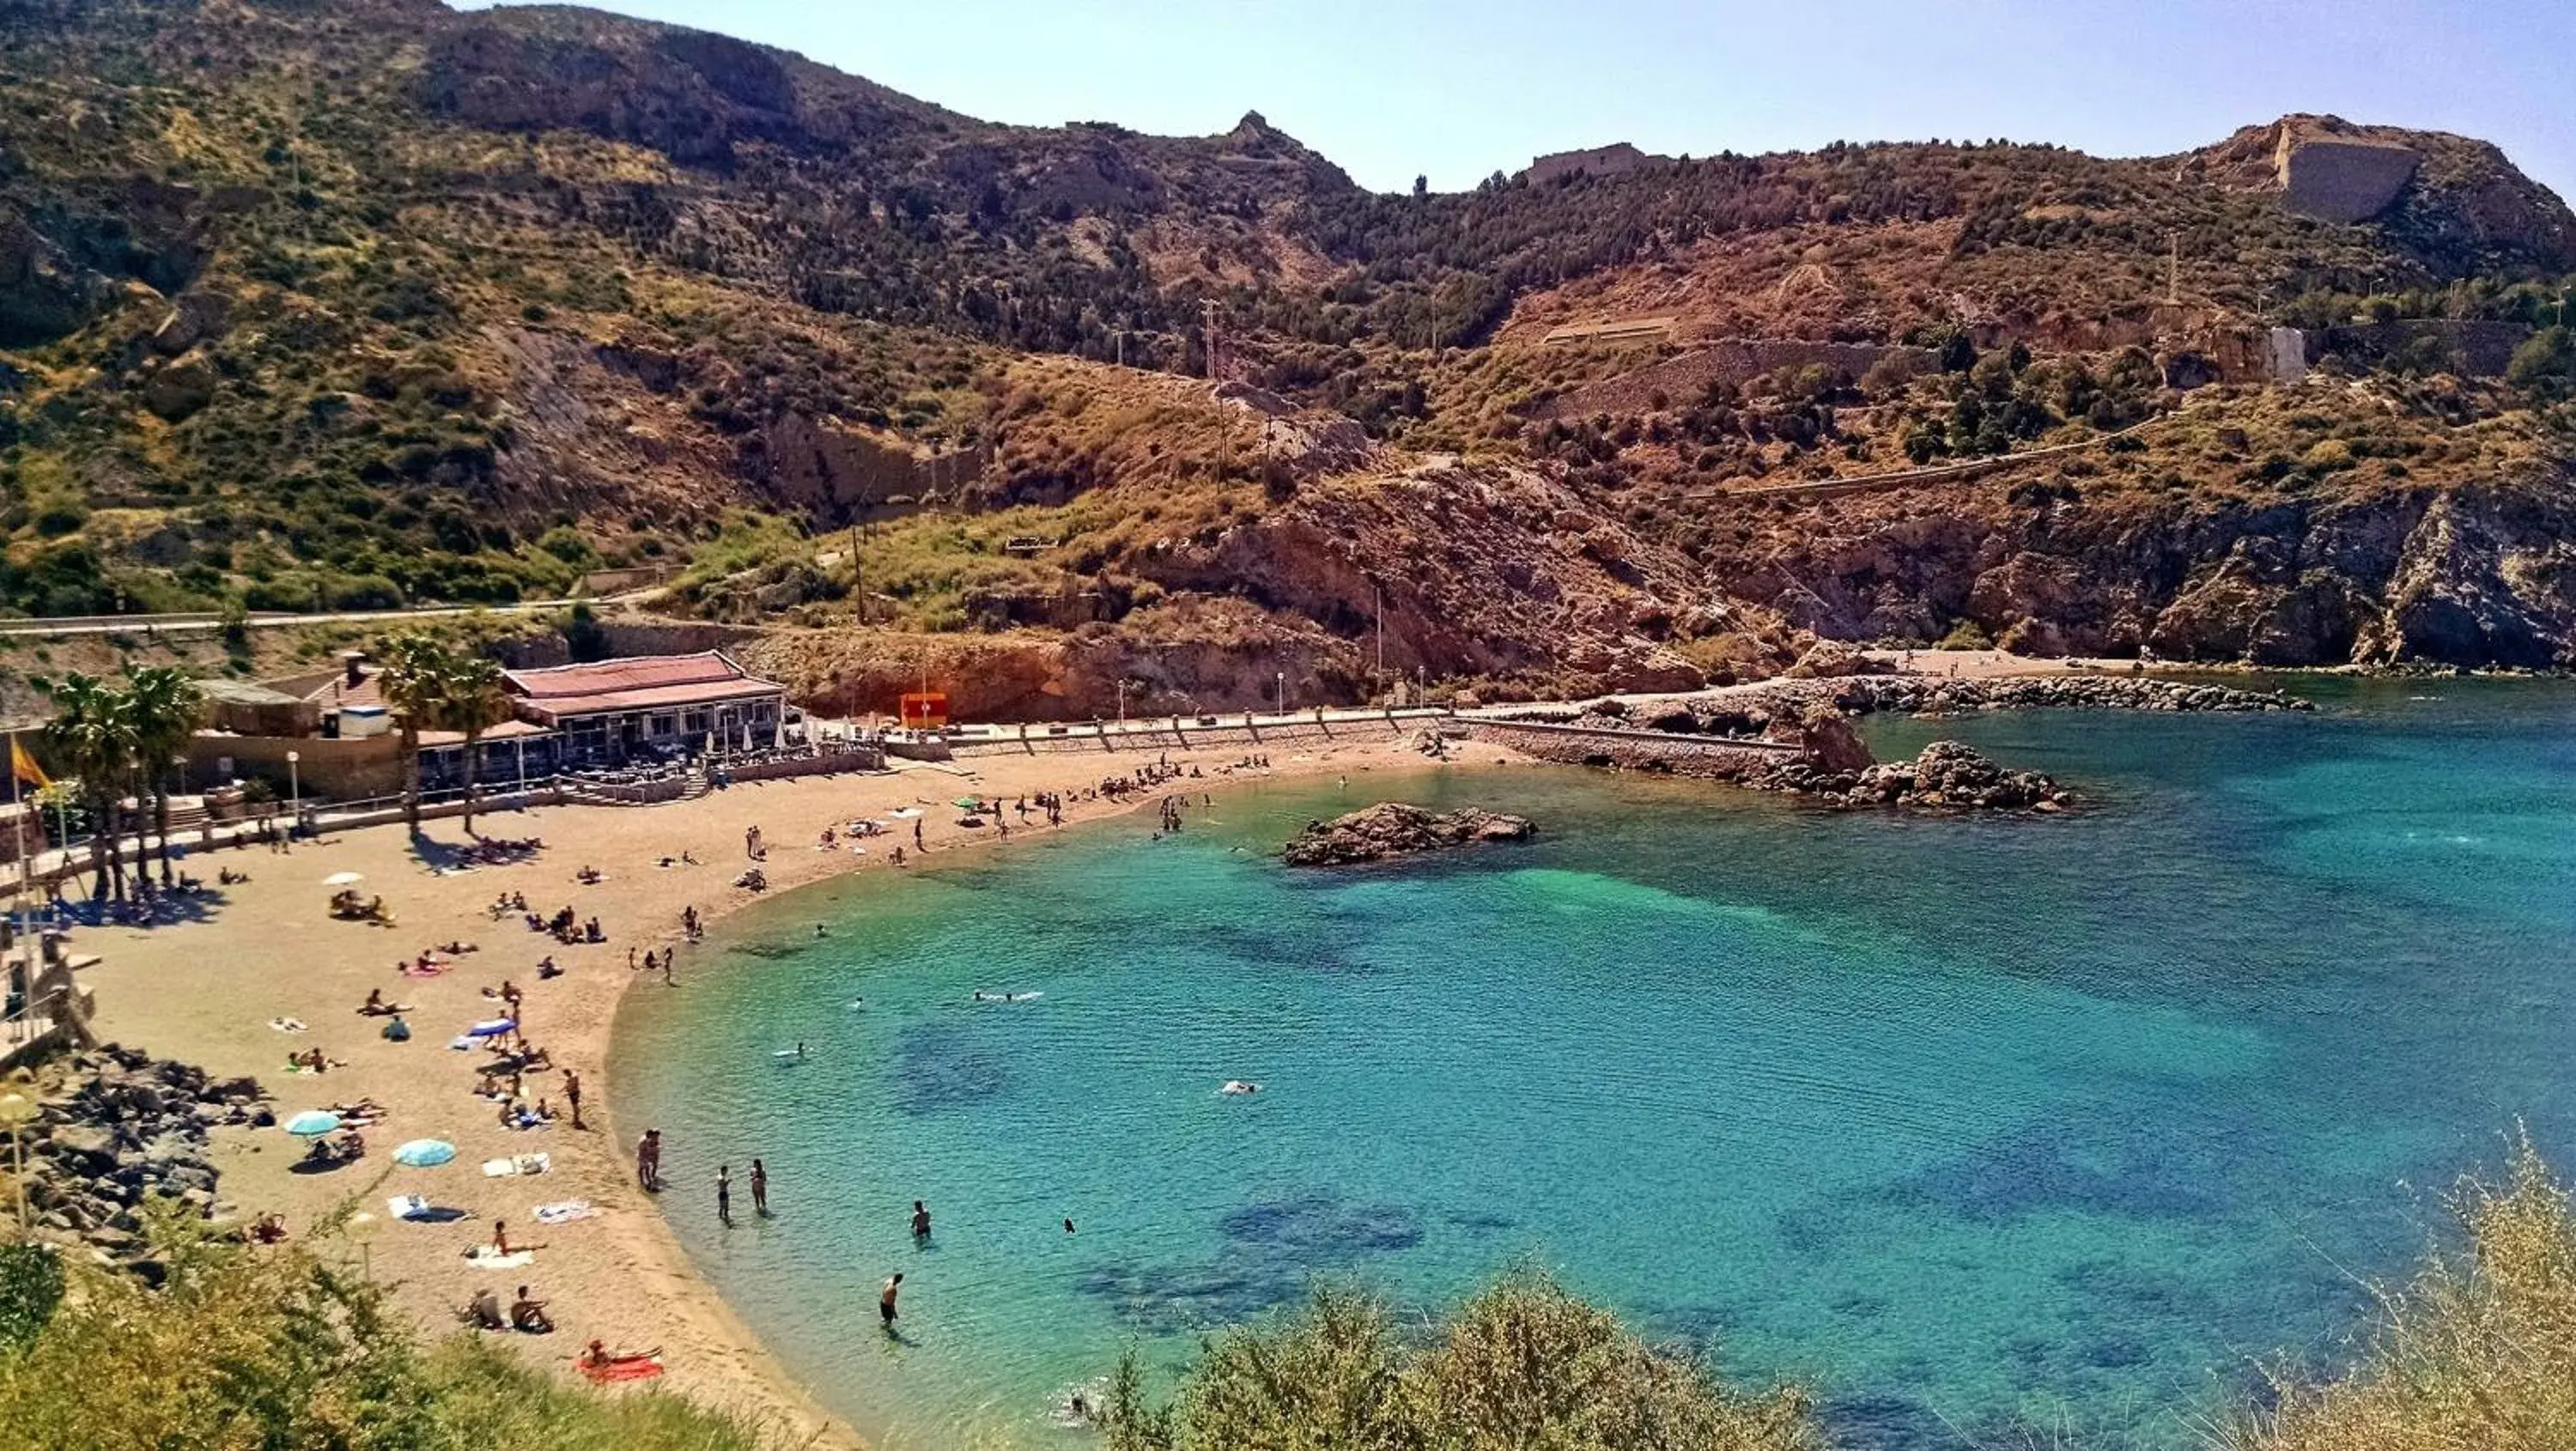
17 1110
1283 692
362 1228
294 793
1122 703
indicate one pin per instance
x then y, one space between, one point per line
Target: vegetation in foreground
1523 1364
280 1348
2480 1351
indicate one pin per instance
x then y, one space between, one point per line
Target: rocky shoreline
1753 712
1833 766
117 1133
1392 829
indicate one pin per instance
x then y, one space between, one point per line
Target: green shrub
280 1349
1522 1365
31 1286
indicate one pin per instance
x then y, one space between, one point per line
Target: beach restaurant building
613 711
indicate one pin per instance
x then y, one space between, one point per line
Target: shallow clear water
1973 1124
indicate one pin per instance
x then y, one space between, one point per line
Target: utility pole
1209 335
1377 602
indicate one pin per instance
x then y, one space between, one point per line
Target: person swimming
1238 1088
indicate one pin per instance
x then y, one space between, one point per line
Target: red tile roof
649 682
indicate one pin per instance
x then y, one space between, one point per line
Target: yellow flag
23 767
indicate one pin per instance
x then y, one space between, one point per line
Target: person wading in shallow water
885 1301
724 1194
920 1221
759 1189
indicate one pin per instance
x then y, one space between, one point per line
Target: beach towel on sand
516 1164
565 1212
408 1206
482 1256
642 1367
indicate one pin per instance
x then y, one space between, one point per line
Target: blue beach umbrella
424 1153
312 1122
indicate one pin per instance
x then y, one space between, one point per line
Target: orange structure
924 710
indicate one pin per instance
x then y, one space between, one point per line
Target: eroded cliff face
2478 575
1486 571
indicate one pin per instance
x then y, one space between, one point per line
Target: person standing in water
759 1189
724 1194
885 1301
920 1221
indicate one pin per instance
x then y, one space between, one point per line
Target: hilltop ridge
377 303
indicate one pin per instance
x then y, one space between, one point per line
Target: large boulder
1392 829
180 388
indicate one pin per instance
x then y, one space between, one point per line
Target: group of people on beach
509 1058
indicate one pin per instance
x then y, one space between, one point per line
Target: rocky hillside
375 303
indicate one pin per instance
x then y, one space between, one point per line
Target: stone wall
1608 160
1629 750
1140 738
347 770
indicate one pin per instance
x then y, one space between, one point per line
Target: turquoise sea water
1974 1124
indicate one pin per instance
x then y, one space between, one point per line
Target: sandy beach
207 992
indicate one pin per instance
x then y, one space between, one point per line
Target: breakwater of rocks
117 1130
1749 712
1945 775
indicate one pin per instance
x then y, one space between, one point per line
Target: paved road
60 627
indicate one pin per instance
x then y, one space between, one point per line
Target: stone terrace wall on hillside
1735 361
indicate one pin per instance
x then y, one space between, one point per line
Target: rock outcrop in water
1945 775
1392 829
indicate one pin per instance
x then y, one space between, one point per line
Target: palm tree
415 684
474 701
167 704
93 731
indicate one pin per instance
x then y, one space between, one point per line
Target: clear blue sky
1455 90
